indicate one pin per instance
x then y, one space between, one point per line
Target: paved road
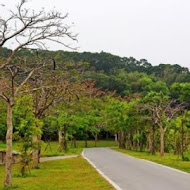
134 174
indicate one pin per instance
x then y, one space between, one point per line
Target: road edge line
164 166
101 173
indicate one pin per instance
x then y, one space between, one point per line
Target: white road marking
101 173
168 167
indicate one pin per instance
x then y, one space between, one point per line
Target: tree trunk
36 150
116 137
162 142
138 140
65 139
119 138
35 153
60 136
151 141
9 157
131 141
141 142
122 140
128 141
96 139
73 142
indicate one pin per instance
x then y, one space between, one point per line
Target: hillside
113 72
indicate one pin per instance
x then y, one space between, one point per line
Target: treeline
146 107
110 65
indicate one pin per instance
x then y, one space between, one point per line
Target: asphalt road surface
134 174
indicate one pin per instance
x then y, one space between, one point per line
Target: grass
2 146
67 174
53 148
170 160
54 151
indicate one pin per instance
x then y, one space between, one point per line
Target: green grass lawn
168 160
68 174
53 148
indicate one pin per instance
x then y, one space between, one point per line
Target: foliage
25 129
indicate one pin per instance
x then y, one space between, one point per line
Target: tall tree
163 109
30 30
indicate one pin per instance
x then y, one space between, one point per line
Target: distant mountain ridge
110 64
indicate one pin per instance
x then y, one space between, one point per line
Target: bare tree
44 99
161 114
25 28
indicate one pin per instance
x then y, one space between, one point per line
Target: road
130 173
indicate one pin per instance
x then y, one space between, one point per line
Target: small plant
185 158
25 160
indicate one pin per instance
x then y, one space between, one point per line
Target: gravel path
130 173
44 159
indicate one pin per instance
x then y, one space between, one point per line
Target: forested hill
109 70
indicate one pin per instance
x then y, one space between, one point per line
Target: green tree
25 122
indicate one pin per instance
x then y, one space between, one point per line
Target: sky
157 30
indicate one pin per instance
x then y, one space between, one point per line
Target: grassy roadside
68 174
53 148
168 160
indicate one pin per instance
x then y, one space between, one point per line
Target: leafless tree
161 115
43 99
25 28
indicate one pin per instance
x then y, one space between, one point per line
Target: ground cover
68 174
52 148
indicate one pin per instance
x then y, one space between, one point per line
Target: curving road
134 174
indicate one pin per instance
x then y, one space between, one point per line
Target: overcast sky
158 30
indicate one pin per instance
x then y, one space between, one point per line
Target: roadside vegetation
52 148
73 174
